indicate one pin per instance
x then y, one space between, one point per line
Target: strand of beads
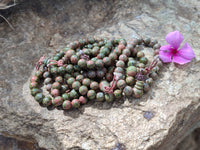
91 69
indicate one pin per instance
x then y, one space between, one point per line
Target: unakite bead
67 76
94 85
75 103
91 74
57 101
55 92
140 54
120 63
128 90
38 73
121 84
34 79
34 91
83 90
76 85
117 94
66 105
70 68
83 100
86 82
39 97
54 70
46 101
61 70
119 70
74 59
95 51
100 56
59 79
100 73
109 76
149 81
79 78
107 61
132 62
143 60
77 68
126 52
70 80
48 87
46 74
73 94
100 96
65 96
82 63
131 71
56 85
91 94
130 80
99 63
69 53
123 57
33 85
113 56
109 97
90 64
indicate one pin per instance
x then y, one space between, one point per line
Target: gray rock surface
41 27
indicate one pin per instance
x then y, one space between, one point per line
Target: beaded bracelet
95 69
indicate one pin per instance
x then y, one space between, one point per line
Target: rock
174 97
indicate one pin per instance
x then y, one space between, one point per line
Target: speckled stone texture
43 26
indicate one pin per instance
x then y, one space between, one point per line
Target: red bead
55 92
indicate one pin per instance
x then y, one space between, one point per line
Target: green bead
56 58
100 55
82 63
75 103
77 68
76 85
65 96
59 79
83 90
46 101
130 80
64 88
105 50
132 63
140 54
61 70
131 71
91 94
109 97
34 91
143 60
56 85
70 68
39 97
74 59
54 70
90 64
86 82
79 78
33 85
120 63
66 105
121 84
107 61
38 73
100 96
128 90
95 51
70 80
73 94
57 101
94 85
117 94
67 76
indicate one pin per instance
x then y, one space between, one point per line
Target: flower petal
186 52
165 56
166 48
180 60
174 39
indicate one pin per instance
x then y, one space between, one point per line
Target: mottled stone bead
100 97
153 75
56 85
147 41
95 51
120 63
143 60
100 73
70 68
39 97
90 64
100 56
91 74
137 93
70 81
67 76
46 101
83 100
34 79
91 94
59 79
86 82
123 57
66 105
146 87
83 90
128 91
126 52
117 51
94 85
111 69
156 52
121 84
79 78
54 70
113 56
75 103
82 63
132 62
140 54
57 101
39 73
152 43
141 65
33 85
69 53
74 59
131 71
76 85
156 46
55 92
99 63
109 97
130 80
149 81
46 74
48 87
34 91
73 94
156 69
109 77
107 61
65 96
118 94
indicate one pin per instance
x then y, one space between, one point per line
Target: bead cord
39 63
102 62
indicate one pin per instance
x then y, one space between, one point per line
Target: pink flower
169 53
